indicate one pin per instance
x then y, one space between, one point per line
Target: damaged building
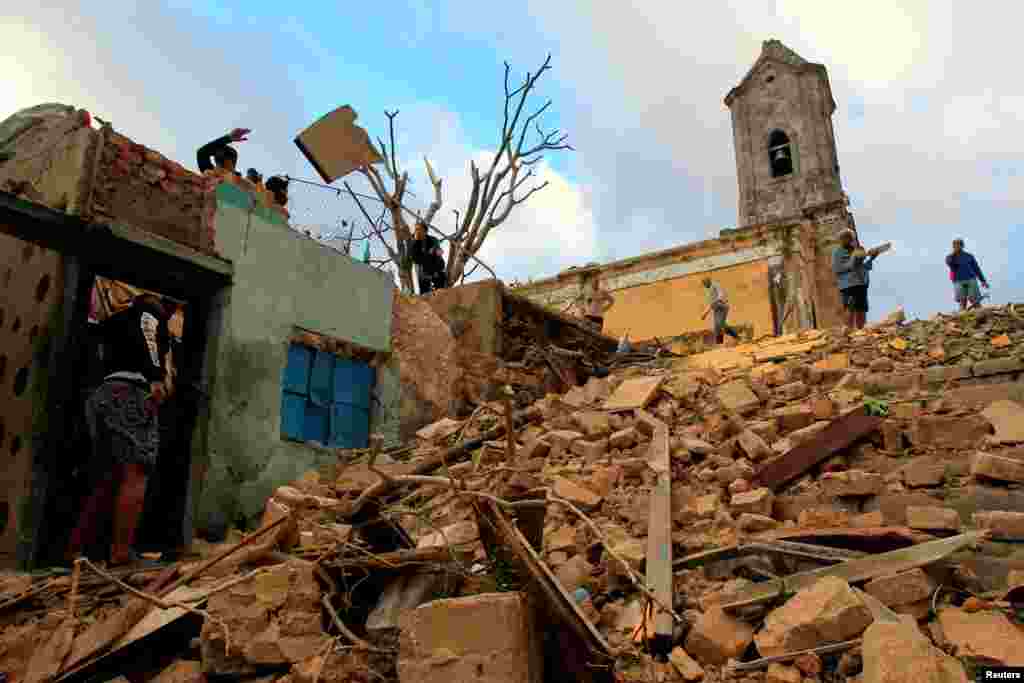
776 265
274 370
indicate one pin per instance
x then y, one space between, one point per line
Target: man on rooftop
965 274
224 155
718 303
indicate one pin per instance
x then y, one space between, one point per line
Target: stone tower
786 162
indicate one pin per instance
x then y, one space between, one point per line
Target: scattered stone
461 533
809 664
793 418
1004 526
933 518
868 520
687 667
829 611
562 438
536 448
593 424
605 479
1007 418
897 652
901 589
739 486
576 573
823 409
987 465
882 365
718 637
997 366
697 447
822 517
852 483
756 502
943 431
625 438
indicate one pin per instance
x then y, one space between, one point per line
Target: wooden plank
634 393
556 601
659 537
803 551
854 571
843 431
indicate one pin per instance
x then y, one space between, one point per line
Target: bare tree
495 193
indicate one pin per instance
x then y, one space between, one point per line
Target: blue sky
928 122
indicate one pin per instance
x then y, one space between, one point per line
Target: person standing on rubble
223 154
965 273
426 254
850 264
121 415
718 303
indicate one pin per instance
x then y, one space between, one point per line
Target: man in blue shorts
966 274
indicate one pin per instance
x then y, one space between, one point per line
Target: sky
928 124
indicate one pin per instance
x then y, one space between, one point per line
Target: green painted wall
282 280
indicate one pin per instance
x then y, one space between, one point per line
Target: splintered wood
659 534
634 394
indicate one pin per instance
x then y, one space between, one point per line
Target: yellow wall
673 307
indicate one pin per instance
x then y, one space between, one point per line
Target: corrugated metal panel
321 379
296 372
293 416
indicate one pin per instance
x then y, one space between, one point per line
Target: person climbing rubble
225 157
718 303
122 419
850 263
426 254
965 273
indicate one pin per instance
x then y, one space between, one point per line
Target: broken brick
1003 525
989 636
737 397
997 467
852 483
562 438
591 450
604 480
997 366
754 446
823 408
625 438
536 448
792 391
782 673
933 518
578 495
792 418
593 424
897 652
949 432
753 524
685 665
900 589
756 502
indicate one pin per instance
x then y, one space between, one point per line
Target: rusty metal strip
841 433
802 551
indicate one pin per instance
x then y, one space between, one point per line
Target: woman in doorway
122 420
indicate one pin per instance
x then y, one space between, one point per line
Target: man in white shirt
718 303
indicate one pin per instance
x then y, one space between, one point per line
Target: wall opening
780 154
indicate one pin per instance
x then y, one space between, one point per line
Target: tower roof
775 51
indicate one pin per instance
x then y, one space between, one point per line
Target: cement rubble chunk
717 637
901 589
897 652
829 611
490 637
983 635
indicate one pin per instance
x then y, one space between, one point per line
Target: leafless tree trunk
495 193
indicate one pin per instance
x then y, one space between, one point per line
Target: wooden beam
659 537
843 431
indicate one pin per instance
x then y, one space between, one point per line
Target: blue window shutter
296 372
352 383
350 426
317 423
293 411
321 379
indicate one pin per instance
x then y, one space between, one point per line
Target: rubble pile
819 507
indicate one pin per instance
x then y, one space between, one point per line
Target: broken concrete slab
900 652
942 431
827 612
488 637
984 635
634 393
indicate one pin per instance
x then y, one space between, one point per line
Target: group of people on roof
218 157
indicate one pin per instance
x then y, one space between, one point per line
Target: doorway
165 524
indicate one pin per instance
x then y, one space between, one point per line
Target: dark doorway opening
166 522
